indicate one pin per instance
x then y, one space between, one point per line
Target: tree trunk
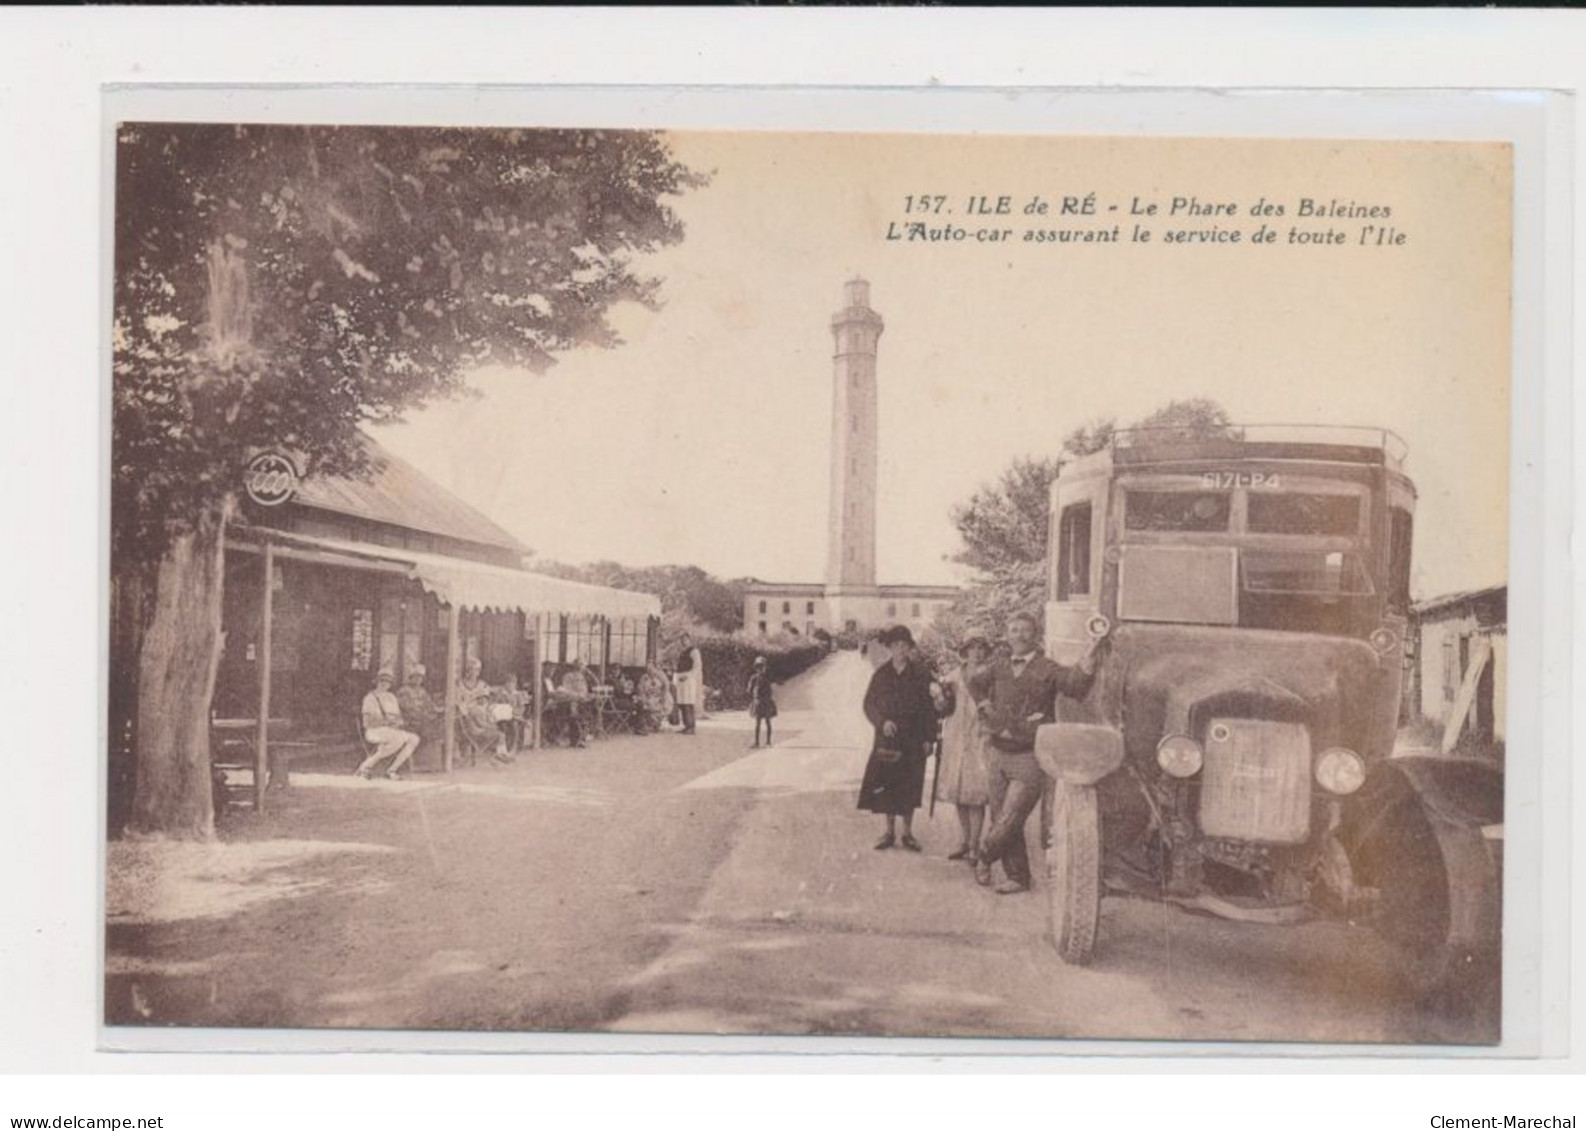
130 598
177 662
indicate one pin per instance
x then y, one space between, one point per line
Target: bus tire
1074 872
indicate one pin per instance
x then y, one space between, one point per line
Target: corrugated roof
399 494
1432 604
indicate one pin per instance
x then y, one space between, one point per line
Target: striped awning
476 585
473 585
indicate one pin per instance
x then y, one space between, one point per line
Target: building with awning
352 576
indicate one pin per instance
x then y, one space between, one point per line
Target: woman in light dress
964 781
473 714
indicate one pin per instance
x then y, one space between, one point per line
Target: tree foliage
276 286
690 595
1003 525
1194 418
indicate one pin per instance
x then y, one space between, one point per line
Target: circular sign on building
271 479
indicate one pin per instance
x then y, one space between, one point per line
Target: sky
703 438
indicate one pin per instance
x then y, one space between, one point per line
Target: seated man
577 689
652 706
624 707
552 711
423 715
476 728
506 708
383 725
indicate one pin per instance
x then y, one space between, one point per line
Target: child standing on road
762 707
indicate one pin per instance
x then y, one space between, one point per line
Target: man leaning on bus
1022 694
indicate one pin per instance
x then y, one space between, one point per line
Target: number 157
932 204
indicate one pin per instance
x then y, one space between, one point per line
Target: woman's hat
974 640
417 669
896 634
385 674
759 661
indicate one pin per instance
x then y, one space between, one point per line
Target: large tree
1004 524
277 287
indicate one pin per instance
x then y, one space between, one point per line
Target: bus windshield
1302 591
1293 513
1177 511
1317 573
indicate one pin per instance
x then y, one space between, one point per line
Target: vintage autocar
1236 752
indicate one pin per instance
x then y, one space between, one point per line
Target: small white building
770 607
1458 678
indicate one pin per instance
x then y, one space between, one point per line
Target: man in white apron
689 681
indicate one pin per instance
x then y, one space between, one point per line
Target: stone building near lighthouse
850 599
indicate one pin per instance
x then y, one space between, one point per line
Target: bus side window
1073 556
1399 538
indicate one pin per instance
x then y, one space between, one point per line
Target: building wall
831 613
1500 681
1440 669
883 609
800 615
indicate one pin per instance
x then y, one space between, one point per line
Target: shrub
849 641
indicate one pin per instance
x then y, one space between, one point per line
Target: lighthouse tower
851 520
848 599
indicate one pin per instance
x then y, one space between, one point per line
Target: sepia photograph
861 584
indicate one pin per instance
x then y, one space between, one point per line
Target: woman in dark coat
899 705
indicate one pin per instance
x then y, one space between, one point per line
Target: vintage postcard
881 584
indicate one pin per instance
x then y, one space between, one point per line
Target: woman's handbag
888 753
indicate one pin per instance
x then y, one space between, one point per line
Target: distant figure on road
899 705
382 725
963 780
689 681
1024 691
762 705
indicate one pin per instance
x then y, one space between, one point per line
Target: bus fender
1078 753
1420 833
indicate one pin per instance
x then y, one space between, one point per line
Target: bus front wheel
1074 872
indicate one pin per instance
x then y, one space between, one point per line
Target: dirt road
674 883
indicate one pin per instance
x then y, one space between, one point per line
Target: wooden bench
233 754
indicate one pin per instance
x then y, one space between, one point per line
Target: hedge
729 661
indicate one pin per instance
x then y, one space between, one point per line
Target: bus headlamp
1340 771
1098 626
1179 755
1384 640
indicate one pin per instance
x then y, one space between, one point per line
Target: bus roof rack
1350 443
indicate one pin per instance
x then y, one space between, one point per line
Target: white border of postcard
1522 118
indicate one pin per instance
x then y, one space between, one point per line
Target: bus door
1076 541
